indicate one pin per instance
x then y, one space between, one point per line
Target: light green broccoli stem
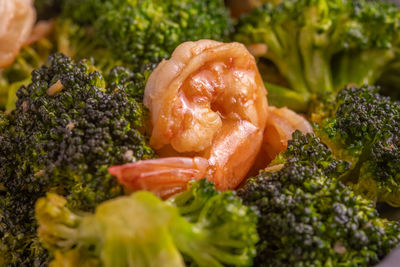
282 44
316 60
208 248
283 97
363 68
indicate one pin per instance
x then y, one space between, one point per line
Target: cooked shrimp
17 18
208 108
281 124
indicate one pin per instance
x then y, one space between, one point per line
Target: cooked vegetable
363 127
69 125
64 36
140 32
135 34
18 74
200 226
308 218
320 46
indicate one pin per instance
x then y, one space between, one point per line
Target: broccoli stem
316 60
204 246
361 68
187 240
284 97
282 44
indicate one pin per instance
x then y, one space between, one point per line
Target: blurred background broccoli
321 46
135 34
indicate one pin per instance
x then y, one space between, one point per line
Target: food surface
69 125
363 127
199 133
321 46
208 101
208 227
309 218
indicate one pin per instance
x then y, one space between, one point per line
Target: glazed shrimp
208 109
17 18
281 124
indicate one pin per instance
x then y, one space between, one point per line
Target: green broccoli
69 125
363 127
145 32
65 37
200 226
309 150
18 74
308 218
322 45
134 34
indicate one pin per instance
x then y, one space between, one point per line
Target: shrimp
208 110
17 18
281 124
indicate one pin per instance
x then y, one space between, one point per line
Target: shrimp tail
164 176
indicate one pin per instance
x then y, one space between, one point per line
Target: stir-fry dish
198 133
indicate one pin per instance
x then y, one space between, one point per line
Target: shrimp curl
208 109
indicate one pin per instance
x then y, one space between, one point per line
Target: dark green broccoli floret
140 32
135 34
320 46
308 150
65 37
309 219
3 122
363 127
142 230
69 125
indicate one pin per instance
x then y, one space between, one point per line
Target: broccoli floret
79 43
227 233
320 46
65 37
135 34
142 230
309 218
3 122
141 32
69 125
309 150
363 127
